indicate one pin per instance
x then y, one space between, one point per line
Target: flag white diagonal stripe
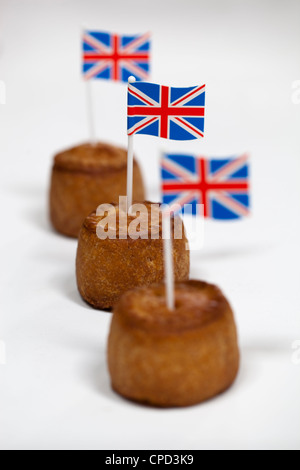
187 126
141 96
98 68
99 46
141 124
183 173
184 198
133 68
229 168
189 96
231 204
137 42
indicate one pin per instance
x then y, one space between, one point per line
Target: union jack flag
172 113
113 57
221 186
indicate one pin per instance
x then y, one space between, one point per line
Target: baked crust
173 358
108 268
89 158
84 177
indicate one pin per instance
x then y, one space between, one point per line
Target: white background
54 388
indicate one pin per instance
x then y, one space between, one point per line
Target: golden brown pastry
173 358
108 268
84 177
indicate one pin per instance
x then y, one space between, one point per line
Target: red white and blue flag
114 57
171 113
221 186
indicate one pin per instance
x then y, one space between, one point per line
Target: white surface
54 388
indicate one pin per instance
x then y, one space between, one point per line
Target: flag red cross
204 186
115 56
165 110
